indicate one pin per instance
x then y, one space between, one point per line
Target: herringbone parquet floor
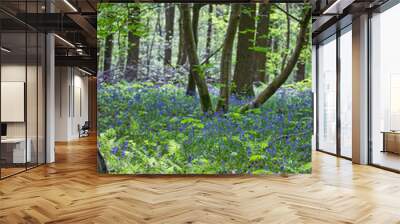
70 191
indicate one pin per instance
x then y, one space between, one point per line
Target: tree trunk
209 32
159 30
226 59
182 56
196 69
191 87
131 72
149 55
169 33
262 41
244 69
108 52
121 58
287 47
302 39
301 72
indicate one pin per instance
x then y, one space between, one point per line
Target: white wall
71 102
62 81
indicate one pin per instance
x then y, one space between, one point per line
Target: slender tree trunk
198 73
226 59
182 56
108 52
301 72
209 32
275 49
149 55
132 69
262 41
100 55
302 39
120 61
191 87
195 21
287 47
160 34
169 33
244 68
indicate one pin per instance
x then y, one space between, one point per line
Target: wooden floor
70 191
387 159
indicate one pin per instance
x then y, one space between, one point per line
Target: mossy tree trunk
262 42
226 59
209 31
196 69
131 72
108 52
182 56
191 87
169 33
301 72
244 68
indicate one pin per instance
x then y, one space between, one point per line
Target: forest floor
146 128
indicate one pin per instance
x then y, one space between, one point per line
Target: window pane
14 150
327 96
346 94
385 83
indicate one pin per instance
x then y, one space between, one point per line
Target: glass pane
385 93
13 86
346 94
41 99
327 96
31 97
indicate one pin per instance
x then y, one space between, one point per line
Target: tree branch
280 79
287 13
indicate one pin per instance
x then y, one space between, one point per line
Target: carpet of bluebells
157 129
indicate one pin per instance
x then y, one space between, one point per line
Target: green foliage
158 129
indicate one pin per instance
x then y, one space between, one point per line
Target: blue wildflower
114 150
190 159
119 122
248 151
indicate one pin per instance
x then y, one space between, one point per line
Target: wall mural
204 88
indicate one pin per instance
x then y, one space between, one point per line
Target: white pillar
50 100
360 90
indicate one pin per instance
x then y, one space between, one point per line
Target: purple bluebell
114 150
248 151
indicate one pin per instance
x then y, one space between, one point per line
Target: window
385 89
327 95
346 92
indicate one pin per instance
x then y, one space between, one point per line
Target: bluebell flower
248 151
114 150
137 97
190 159
126 144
